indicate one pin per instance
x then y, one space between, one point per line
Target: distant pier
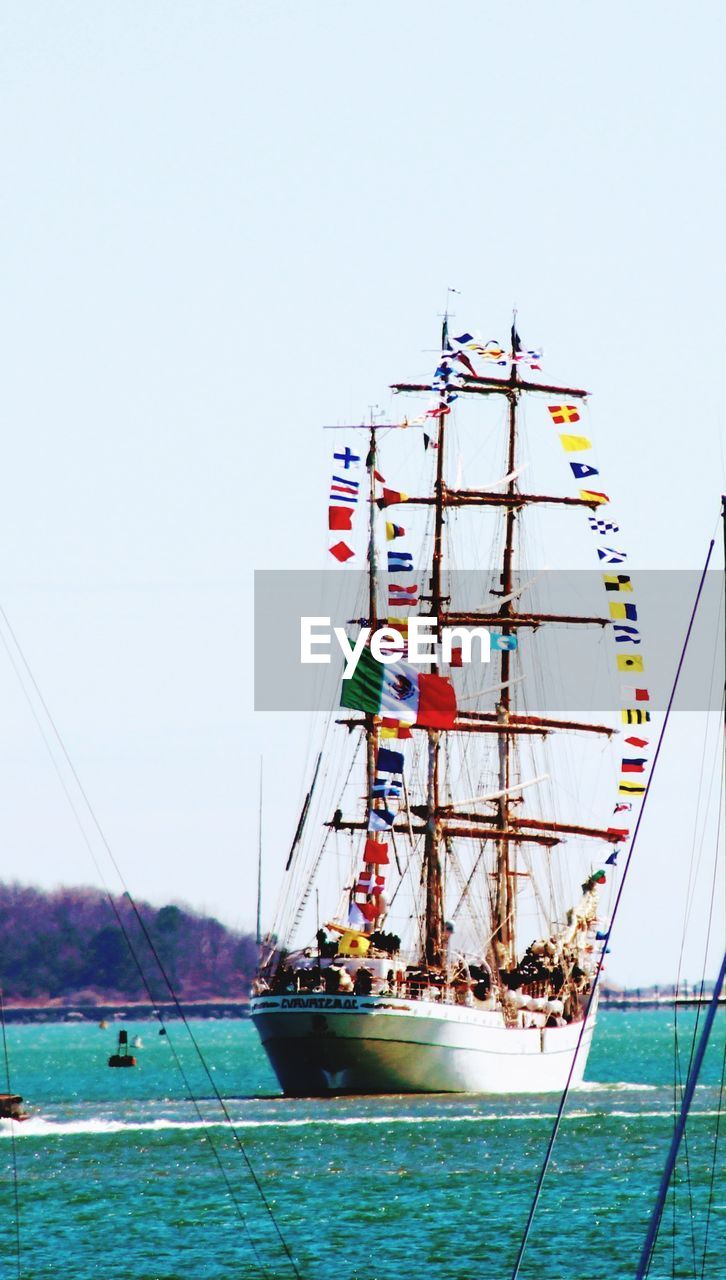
655 999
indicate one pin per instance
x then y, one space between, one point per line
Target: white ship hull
331 1044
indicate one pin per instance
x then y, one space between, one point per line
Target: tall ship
441 915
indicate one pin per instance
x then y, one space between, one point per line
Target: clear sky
224 224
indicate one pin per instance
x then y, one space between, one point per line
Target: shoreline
129 1011
82 1011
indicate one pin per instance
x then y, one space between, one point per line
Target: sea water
137 1173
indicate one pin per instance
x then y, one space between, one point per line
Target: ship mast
505 897
433 940
370 727
503 916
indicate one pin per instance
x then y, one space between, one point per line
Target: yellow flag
617 582
632 715
629 662
353 943
623 611
575 444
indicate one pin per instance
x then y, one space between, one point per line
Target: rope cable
16 1197
134 954
616 905
89 807
714 1165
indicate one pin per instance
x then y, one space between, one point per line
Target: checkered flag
602 526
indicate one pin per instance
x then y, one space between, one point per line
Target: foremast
370 724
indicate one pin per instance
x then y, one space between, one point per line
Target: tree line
75 943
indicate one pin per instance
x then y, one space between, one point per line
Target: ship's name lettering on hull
323 1002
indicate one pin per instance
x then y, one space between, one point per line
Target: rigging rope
618 898
16 1197
137 963
714 1165
114 906
654 1224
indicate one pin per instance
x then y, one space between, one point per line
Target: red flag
466 362
457 657
390 497
341 552
436 702
376 853
340 518
637 742
368 910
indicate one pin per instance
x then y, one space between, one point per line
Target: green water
118 1175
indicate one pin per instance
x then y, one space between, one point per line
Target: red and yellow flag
592 495
564 413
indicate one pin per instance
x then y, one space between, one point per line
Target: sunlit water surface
118 1175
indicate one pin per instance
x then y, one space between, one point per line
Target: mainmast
505 895
503 917
434 944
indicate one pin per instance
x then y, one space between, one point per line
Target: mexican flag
400 692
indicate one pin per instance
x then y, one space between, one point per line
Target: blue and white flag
581 470
400 562
384 785
611 556
626 635
380 819
347 457
602 526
